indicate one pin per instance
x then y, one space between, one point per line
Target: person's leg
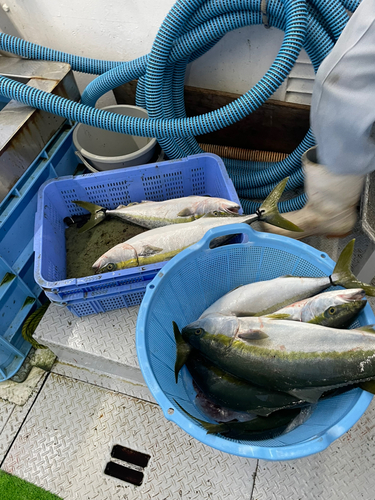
342 119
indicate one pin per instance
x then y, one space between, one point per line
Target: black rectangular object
124 473
131 456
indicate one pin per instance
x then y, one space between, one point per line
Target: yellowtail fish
336 309
163 243
301 359
265 297
152 214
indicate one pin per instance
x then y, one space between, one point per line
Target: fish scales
154 214
293 356
163 242
266 297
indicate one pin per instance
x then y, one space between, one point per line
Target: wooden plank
276 126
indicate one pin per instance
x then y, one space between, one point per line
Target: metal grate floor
95 399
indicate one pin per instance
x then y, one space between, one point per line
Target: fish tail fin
342 274
268 211
210 428
183 350
97 212
215 428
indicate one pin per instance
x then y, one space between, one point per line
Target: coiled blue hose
189 30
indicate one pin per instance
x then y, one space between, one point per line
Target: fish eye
331 310
215 212
198 331
110 266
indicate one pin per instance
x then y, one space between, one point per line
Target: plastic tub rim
122 158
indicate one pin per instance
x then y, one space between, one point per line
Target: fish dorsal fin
253 335
148 250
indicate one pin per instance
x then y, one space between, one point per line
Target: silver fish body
336 309
153 214
265 297
302 359
162 243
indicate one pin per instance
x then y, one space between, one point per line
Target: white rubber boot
331 208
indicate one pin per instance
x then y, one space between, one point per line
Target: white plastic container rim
114 159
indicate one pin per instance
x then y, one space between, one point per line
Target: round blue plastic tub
192 281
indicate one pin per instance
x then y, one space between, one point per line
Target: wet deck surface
62 438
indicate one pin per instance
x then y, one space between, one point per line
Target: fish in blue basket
152 214
233 393
265 297
255 429
163 243
336 309
301 359
217 412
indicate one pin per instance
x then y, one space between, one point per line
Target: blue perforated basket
191 282
202 174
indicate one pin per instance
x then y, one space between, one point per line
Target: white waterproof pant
343 101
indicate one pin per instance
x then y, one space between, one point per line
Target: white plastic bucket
105 150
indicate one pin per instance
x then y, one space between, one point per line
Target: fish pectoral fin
252 335
185 212
311 395
278 316
183 350
149 250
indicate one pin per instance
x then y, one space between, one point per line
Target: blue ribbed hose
189 30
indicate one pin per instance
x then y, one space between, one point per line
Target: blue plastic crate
190 283
19 294
202 174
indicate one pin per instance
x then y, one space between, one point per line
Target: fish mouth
231 210
98 266
354 295
97 269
